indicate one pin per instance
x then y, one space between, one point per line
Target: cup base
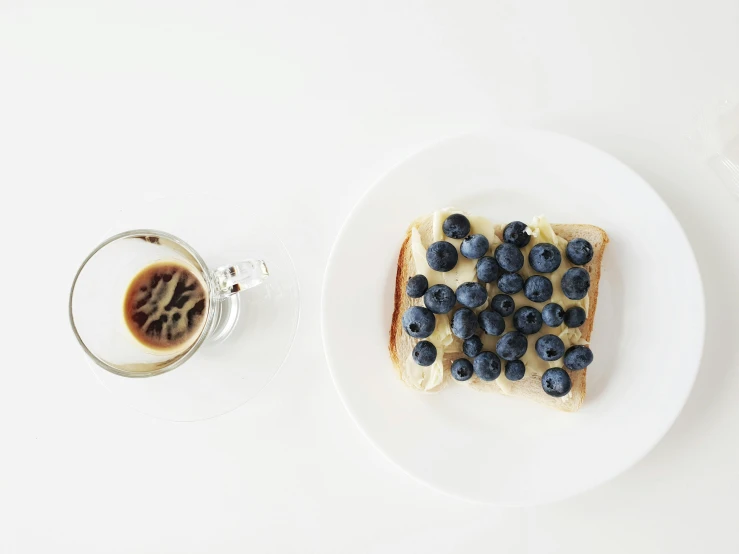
226 318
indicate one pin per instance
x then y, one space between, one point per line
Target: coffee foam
165 305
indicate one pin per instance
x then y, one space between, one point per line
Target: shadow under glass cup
98 301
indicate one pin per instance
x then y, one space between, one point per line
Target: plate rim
493 135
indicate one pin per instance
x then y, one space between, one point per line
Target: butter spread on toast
430 377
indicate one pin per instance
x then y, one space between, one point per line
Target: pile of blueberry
502 268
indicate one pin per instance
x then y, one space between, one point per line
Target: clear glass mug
96 301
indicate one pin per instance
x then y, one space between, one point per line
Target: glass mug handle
230 279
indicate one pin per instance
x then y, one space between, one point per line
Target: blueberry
515 370
545 257
510 283
575 283
509 257
442 256
419 322
538 288
515 233
424 353
503 304
579 251
512 346
472 346
456 226
417 286
491 322
550 348
487 366
440 299
487 269
578 357
462 369
472 295
464 323
527 320
553 315
574 317
474 246
556 382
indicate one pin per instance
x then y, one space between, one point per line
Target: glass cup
716 139
96 301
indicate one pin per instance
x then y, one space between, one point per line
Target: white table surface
306 104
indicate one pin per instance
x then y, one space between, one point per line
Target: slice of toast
401 344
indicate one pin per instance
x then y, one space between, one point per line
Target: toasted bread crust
400 344
400 279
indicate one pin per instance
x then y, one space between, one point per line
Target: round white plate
647 339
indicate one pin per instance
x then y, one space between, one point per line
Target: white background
305 105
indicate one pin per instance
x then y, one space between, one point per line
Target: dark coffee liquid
165 305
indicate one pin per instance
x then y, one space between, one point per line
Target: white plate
647 339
